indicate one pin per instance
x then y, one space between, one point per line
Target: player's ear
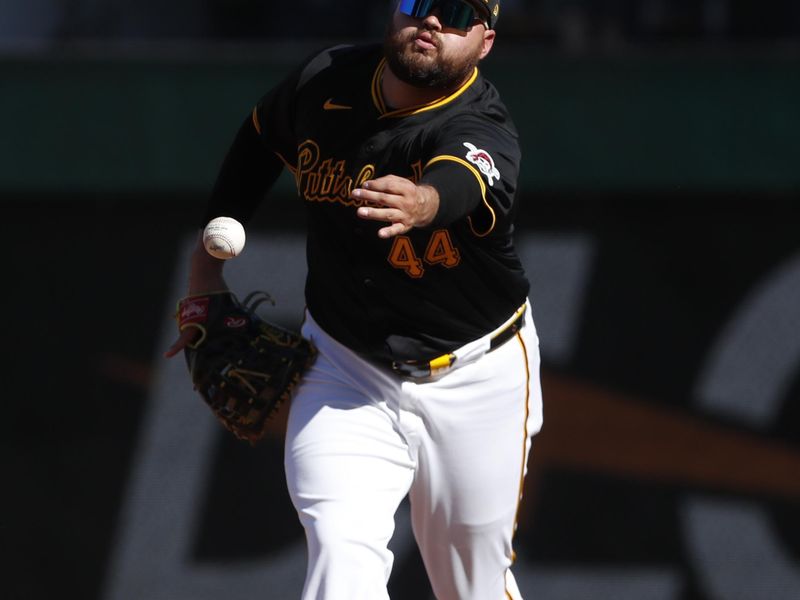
488 42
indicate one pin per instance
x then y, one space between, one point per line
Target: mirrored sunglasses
456 14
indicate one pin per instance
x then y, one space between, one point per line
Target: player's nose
432 20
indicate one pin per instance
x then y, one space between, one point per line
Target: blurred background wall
658 222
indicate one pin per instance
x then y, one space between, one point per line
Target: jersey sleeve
247 172
273 119
274 116
474 166
264 144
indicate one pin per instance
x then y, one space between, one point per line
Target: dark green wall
657 123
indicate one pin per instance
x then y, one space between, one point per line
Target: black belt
418 369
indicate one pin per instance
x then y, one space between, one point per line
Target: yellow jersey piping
377 96
525 433
477 175
256 124
380 104
286 163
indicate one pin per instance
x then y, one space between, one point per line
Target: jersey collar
380 104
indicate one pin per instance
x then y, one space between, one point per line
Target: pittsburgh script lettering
326 180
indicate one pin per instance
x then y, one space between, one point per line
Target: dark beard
411 67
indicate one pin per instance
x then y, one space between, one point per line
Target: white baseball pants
360 438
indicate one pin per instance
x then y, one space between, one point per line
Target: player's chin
421 59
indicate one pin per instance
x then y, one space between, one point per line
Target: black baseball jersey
413 296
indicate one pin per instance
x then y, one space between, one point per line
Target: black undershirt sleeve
247 172
459 191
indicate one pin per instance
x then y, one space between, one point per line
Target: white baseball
224 237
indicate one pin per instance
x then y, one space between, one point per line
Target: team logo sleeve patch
484 161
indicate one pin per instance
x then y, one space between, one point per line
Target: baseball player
426 382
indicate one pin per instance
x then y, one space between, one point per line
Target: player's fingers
375 197
176 347
186 337
391 184
380 214
393 230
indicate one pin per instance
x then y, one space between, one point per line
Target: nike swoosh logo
329 105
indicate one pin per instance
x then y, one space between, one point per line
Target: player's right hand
397 201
